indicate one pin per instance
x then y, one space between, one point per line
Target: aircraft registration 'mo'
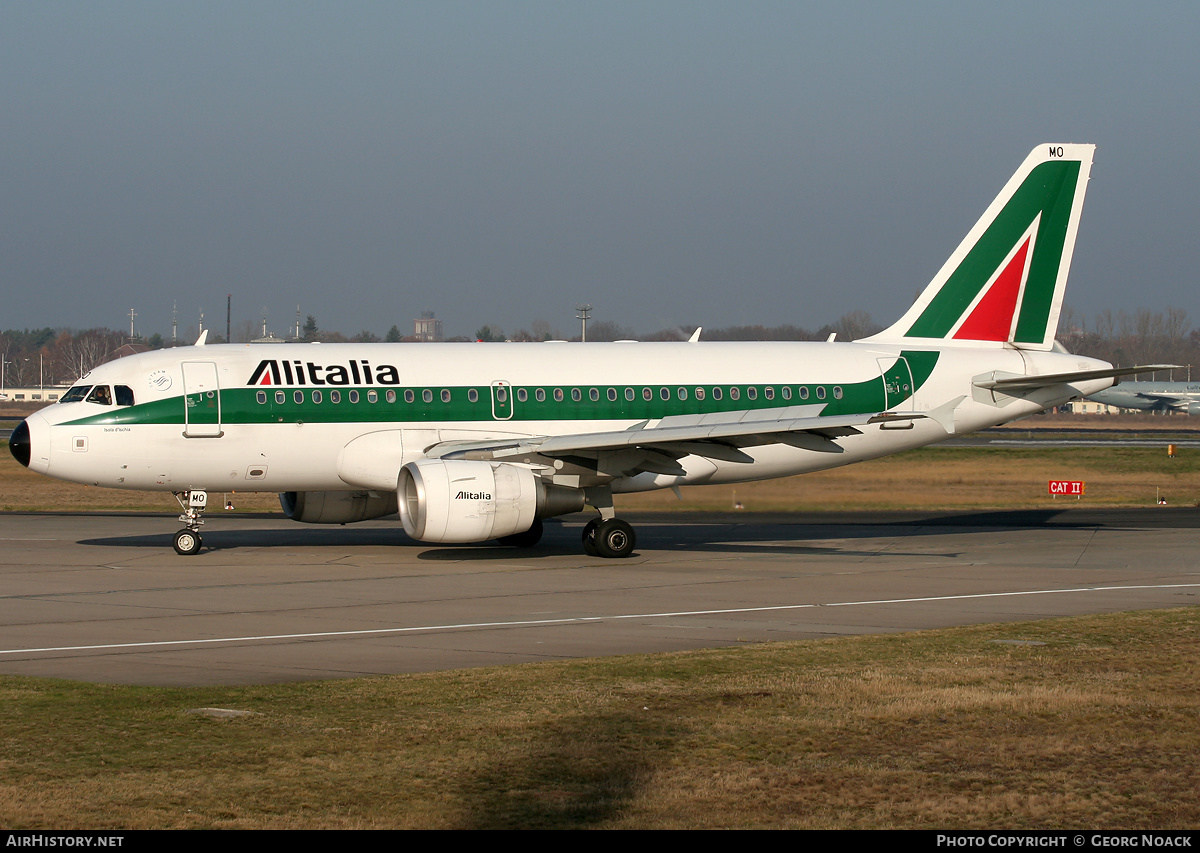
471 442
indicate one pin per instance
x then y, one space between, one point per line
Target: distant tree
310 329
856 325
607 330
393 335
365 337
486 333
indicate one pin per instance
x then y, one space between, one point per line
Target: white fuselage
207 427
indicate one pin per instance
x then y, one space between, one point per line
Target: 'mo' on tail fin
1004 283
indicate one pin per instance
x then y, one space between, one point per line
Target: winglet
203 339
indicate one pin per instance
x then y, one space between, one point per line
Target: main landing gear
187 540
607 536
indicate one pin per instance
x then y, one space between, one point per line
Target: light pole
583 315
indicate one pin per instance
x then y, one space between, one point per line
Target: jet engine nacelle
1193 408
336 507
471 501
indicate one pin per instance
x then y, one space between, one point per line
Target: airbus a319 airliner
471 442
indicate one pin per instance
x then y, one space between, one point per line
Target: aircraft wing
1161 399
1017 384
657 447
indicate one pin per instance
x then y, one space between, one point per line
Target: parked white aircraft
1153 396
482 441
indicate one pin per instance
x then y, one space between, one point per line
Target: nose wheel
187 540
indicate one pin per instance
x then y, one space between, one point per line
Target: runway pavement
104 598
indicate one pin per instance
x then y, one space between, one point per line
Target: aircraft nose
18 443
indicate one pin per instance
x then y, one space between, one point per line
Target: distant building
427 327
1090 407
47 394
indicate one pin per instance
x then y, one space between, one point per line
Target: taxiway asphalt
104 598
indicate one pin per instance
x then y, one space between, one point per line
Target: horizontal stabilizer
1032 383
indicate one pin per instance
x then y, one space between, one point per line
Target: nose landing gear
187 540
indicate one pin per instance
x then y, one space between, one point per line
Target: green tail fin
1004 283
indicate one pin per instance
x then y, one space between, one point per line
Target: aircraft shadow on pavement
711 532
768 539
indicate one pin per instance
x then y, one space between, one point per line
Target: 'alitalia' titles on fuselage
272 371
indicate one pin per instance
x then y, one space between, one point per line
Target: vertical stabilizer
1004 283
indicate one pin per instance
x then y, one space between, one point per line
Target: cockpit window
74 395
124 395
100 394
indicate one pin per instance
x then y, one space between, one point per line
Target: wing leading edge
657 448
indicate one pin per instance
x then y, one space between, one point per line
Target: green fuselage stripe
242 406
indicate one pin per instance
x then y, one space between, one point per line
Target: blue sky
670 163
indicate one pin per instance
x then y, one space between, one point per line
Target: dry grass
1097 728
960 478
934 478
